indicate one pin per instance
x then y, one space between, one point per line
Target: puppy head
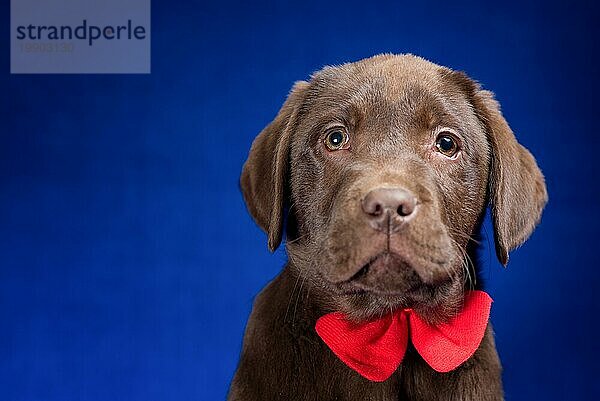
384 168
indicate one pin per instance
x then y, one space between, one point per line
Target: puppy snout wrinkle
387 209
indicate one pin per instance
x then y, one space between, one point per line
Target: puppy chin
389 282
434 303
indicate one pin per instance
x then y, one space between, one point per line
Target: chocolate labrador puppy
380 172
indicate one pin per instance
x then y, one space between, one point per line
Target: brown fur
393 108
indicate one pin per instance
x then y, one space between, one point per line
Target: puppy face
386 166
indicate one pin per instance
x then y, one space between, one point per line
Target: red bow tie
375 349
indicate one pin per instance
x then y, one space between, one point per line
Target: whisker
290 300
297 298
464 235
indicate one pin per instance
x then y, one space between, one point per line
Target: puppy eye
336 139
446 144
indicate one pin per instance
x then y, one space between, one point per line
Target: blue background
128 262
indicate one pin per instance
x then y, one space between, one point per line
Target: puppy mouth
388 282
385 274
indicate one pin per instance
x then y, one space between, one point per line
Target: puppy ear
516 188
264 173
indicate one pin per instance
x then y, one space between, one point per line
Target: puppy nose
388 208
